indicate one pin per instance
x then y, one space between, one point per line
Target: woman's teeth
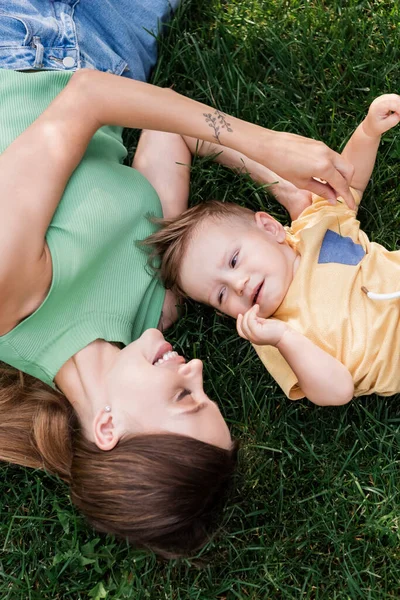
165 357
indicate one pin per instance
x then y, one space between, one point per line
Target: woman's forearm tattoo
217 121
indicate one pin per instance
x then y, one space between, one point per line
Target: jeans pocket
14 31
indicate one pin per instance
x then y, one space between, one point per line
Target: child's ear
267 223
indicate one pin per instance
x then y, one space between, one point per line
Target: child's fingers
393 102
252 324
386 108
392 120
239 328
245 326
254 319
249 316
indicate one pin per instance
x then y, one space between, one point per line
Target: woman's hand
383 114
255 329
310 165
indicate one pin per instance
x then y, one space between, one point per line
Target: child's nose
240 285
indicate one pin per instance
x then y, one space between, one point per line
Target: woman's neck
82 378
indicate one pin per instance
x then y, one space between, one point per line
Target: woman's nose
192 369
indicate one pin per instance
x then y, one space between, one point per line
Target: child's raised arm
322 378
361 149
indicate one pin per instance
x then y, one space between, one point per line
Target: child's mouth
256 295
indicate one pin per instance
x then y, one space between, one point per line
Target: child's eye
234 260
221 296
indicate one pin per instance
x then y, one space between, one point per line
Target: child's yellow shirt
326 304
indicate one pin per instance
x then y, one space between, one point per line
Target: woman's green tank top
101 286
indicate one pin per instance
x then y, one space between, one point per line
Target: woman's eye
234 260
182 395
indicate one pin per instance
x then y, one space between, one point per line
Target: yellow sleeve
318 210
355 193
277 366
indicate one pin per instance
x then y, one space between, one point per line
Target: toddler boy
299 294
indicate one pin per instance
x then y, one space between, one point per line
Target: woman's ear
267 223
105 434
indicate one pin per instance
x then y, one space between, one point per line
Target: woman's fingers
322 189
336 175
337 186
340 178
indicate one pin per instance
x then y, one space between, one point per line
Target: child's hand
383 114
263 332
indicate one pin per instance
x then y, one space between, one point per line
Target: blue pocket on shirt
338 249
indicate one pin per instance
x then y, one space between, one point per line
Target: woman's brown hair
159 491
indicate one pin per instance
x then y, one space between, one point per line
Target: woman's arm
164 159
35 168
287 194
323 379
34 171
361 149
121 101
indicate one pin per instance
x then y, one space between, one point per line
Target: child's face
233 264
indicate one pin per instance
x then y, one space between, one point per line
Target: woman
147 454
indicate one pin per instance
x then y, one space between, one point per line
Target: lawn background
316 509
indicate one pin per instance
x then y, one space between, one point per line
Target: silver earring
107 408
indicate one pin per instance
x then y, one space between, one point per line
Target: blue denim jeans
117 36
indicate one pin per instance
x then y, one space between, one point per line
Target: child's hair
168 245
159 491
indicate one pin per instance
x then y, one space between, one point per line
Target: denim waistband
117 36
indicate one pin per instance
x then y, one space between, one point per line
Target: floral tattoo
217 121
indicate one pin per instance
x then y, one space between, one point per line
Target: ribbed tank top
101 286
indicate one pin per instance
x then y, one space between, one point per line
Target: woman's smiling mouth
167 354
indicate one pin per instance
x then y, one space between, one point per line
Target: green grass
316 508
